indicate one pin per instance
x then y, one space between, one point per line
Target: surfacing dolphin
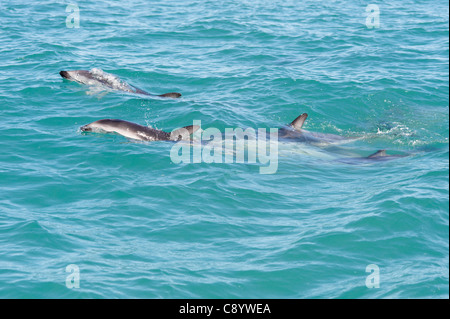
294 132
320 144
138 132
100 78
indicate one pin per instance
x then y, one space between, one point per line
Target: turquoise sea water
139 226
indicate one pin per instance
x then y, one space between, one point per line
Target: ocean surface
102 216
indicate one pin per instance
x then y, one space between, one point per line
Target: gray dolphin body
294 132
138 132
97 77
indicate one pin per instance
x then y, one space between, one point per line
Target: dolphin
138 132
294 132
98 77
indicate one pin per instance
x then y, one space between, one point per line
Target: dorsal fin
183 133
379 153
298 122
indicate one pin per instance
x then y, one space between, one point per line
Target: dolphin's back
127 129
98 77
139 132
